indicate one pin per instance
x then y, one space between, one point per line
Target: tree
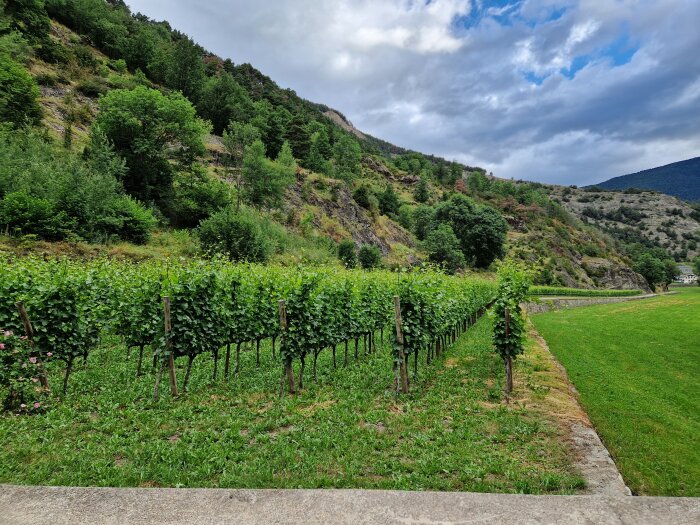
671 271
369 256
186 69
218 101
423 217
18 94
651 268
30 18
443 248
315 161
422 193
146 128
480 229
347 155
362 196
234 234
388 201
347 253
264 181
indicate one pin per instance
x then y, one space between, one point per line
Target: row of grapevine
212 306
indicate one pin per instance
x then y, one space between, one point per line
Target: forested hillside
122 136
680 179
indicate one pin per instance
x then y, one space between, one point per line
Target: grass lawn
637 368
349 430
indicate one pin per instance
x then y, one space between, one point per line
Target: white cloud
411 72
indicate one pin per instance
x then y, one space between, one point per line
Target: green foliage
389 203
362 196
185 70
369 256
142 124
30 18
20 370
652 269
195 196
509 325
580 292
480 229
18 94
235 235
423 217
347 253
55 194
347 155
443 248
264 181
422 192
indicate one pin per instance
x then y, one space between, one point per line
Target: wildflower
37 405
2 346
23 405
49 354
32 360
8 333
35 380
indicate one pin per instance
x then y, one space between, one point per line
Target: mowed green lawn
637 367
348 430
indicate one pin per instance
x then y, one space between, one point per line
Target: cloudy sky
563 91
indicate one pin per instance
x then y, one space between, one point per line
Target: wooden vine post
169 346
509 359
403 372
287 372
29 332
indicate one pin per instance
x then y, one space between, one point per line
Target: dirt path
561 406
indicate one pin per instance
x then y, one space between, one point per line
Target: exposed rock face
611 275
350 216
656 217
343 123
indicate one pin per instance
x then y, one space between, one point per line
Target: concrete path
77 506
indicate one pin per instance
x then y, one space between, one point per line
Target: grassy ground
636 366
451 433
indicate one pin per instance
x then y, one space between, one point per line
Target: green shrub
234 235
362 196
347 253
369 256
21 213
18 94
443 249
92 87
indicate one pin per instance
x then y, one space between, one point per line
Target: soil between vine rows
348 430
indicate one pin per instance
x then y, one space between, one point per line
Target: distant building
686 276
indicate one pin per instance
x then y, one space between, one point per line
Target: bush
92 87
443 249
362 196
195 197
18 94
347 253
369 257
234 235
388 201
24 214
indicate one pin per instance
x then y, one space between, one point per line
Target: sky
557 91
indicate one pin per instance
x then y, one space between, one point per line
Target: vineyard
212 309
580 292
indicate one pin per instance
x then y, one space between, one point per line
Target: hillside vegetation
680 179
125 137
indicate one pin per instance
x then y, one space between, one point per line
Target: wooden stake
288 370
403 374
169 346
29 332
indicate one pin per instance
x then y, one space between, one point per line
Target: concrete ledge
76 506
549 303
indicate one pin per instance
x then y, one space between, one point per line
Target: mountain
680 179
635 216
369 191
